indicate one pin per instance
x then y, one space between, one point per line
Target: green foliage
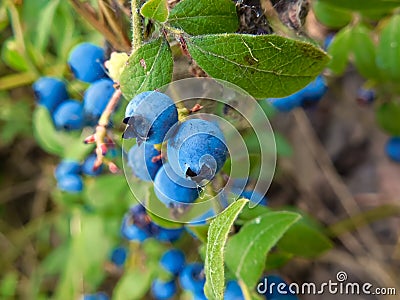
388 116
217 235
264 65
247 250
339 50
10 54
330 15
148 68
198 17
156 10
364 5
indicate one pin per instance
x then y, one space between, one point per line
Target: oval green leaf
388 116
388 52
339 50
246 252
147 69
331 16
217 235
364 5
263 65
156 10
197 17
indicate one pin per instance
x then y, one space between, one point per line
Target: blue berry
173 261
393 149
67 167
69 115
197 150
88 166
118 256
286 104
314 91
139 216
132 232
170 187
50 92
86 62
70 183
192 277
149 117
276 288
199 295
165 234
163 290
98 296
140 160
365 96
96 98
233 291
255 197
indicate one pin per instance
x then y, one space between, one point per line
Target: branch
137 37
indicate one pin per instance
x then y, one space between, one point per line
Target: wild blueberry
197 150
287 103
165 234
132 232
149 116
50 92
173 261
199 295
144 161
192 277
86 62
118 256
233 291
96 98
97 296
70 183
170 187
314 91
88 166
365 96
163 290
67 167
393 149
69 115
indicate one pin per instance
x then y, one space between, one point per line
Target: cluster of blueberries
86 63
195 148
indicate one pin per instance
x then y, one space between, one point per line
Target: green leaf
156 10
331 16
364 5
339 50
45 22
217 235
134 284
148 68
197 17
63 144
388 52
364 51
304 239
388 116
246 251
8 285
11 56
277 260
263 65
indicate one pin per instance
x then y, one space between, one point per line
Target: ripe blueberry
141 160
170 187
88 166
132 232
393 149
365 96
233 291
192 277
314 91
67 167
50 92
287 103
96 98
149 116
69 115
173 261
197 150
163 290
86 62
70 183
97 296
118 256
165 234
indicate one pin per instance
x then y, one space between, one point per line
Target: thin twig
137 36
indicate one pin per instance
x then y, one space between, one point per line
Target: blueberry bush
148 122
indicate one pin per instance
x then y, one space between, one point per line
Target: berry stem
137 38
